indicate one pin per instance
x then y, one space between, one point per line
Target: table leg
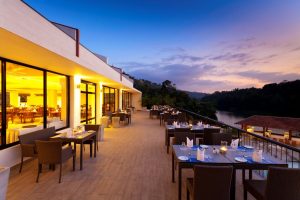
81 155
95 146
250 174
173 169
233 183
168 143
179 181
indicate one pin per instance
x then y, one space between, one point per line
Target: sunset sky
200 45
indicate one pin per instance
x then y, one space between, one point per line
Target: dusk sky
204 45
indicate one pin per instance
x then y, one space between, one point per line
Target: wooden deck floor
132 163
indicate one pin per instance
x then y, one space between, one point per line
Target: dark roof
285 123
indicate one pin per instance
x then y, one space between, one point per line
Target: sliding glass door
88 102
31 99
110 99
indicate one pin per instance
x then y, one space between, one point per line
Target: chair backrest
93 127
211 130
212 182
181 117
283 183
216 138
49 152
43 134
170 121
180 137
166 116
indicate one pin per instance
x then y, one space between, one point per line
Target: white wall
75 101
10 156
137 101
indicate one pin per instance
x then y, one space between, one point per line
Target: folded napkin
189 143
200 154
69 133
199 123
235 143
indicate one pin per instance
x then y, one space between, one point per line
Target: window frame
116 93
3 60
86 92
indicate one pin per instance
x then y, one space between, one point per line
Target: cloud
269 76
183 58
172 50
235 57
296 49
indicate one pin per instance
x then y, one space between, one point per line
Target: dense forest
282 99
167 94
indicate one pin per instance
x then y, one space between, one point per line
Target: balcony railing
285 152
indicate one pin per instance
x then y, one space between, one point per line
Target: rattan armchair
282 183
210 183
52 153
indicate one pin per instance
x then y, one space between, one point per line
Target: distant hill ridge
278 99
196 95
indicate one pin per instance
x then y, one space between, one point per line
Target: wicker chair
27 142
216 138
181 118
210 183
94 127
52 153
282 183
180 135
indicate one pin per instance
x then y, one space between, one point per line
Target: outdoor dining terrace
131 163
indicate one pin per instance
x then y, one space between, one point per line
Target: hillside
196 95
167 94
282 99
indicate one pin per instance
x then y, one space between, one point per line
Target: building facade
48 78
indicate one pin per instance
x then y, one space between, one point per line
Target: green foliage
281 99
167 94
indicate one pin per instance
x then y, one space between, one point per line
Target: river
229 118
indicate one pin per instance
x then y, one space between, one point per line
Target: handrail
241 130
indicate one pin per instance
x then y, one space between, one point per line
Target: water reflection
229 118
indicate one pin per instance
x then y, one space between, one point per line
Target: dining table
240 158
196 129
78 138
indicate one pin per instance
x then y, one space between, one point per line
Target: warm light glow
286 135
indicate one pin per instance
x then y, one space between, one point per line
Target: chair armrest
67 152
28 150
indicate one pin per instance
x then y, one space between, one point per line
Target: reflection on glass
110 99
88 103
91 88
82 87
24 100
126 100
83 106
91 106
56 100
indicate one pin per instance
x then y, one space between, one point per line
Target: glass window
110 99
88 103
24 100
82 87
56 100
126 100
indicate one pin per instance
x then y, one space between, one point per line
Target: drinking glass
223 143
